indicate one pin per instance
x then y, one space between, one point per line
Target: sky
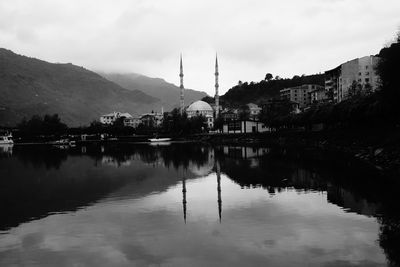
251 37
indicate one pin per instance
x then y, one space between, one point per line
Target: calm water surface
190 205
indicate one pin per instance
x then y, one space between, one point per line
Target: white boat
6 139
159 139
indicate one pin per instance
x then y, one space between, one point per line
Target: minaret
216 88
182 100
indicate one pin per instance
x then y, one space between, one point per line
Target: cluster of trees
46 125
177 123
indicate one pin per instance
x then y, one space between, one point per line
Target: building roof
252 105
117 114
199 106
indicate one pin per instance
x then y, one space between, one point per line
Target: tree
355 89
50 124
388 69
268 77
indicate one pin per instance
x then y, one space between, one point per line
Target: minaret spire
182 100
216 87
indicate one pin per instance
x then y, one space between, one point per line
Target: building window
359 73
367 80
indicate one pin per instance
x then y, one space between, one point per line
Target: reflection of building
201 108
357 74
112 161
242 152
300 94
203 169
6 149
219 190
112 117
244 126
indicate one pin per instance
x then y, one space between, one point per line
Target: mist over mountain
30 86
168 93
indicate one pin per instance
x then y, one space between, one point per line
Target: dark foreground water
190 205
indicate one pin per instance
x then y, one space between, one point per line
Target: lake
193 205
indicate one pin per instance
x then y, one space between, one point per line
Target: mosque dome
199 106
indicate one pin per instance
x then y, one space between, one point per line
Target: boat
6 139
62 142
156 140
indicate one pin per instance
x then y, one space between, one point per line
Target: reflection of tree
349 185
38 156
389 239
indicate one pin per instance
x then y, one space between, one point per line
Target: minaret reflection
184 196
218 171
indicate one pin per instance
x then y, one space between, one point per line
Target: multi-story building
355 75
300 94
332 82
153 119
132 122
112 117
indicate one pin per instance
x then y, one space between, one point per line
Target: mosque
199 107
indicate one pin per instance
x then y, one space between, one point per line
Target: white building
254 111
201 108
360 72
246 126
112 117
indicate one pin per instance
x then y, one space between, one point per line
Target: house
152 119
229 115
132 122
112 117
244 126
254 111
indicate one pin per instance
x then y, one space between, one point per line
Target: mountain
155 87
30 86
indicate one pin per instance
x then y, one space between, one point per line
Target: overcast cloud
252 37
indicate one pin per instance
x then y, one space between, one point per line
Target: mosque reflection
38 181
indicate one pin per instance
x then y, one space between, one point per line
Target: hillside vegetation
30 87
257 92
